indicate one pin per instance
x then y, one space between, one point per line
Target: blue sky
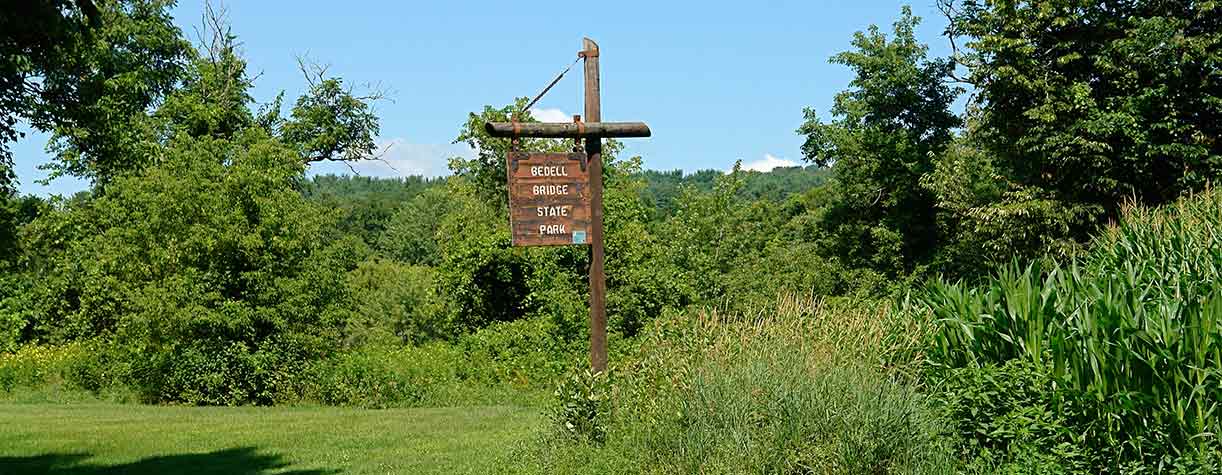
715 81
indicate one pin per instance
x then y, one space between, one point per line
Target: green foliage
214 94
988 220
411 232
367 205
210 265
1097 102
363 378
1017 419
892 120
331 122
582 406
395 303
486 170
1134 326
88 76
485 278
530 352
82 368
664 187
767 392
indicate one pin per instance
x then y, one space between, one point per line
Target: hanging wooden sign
556 198
549 198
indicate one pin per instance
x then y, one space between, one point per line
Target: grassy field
134 439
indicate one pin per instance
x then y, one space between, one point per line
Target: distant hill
661 190
777 185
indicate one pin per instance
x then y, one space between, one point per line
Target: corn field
1135 325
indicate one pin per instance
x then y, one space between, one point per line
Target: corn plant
1135 325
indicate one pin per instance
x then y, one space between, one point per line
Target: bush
86 366
395 303
528 353
436 374
210 269
365 378
582 406
1016 419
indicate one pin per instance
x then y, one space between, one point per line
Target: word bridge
556 198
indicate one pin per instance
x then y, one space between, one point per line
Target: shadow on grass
235 461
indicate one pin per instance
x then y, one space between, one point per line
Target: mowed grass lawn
132 439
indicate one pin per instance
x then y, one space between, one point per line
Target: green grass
134 439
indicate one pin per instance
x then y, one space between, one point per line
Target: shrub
1016 419
530 352
210 269
82 365
365 378
436 374
395 303
582 406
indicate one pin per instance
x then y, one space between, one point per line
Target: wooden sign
556 198
549 199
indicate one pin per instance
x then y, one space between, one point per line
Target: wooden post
594 150
567 130
562 206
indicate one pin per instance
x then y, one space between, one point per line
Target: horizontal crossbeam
567 130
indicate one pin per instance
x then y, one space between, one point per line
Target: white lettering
552 229
540 170
550 190
552 211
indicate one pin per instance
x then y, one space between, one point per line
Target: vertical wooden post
594 149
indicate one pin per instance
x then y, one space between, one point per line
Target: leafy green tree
641 283
210 266
487 280
213 97
487 169
87 72
1096 102
988 219
894 118
411 233
214 275
395 303
331 122
663 187
367 205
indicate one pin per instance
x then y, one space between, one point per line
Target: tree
411 233
894 118
201 258
87 73
487 169
331 122
213 98
209 268
1094 102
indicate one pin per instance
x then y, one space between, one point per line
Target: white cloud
767 163
400 158
550 115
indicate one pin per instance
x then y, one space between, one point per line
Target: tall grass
802 386
1135 326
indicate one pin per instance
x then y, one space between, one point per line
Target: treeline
205 267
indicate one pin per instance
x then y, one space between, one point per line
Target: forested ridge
1030 285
